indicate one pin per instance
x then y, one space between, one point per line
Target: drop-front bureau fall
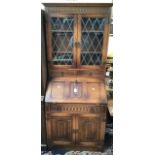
75 99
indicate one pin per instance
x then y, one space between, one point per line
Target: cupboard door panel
89 130
59 129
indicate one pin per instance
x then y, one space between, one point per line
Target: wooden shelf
60 60
91 52
62 52
92 31
63 31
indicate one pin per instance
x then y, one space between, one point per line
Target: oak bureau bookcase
75 99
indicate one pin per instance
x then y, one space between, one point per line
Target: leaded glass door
62 30
77 40
91 38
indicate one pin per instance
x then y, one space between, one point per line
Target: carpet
63 152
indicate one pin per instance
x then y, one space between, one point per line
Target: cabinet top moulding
77 4
78 8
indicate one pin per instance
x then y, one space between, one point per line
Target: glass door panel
62 29
92 40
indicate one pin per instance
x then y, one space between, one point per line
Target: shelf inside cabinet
92 31
59 60
63 31
62 52
91 52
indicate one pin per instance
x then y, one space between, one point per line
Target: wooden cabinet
75 119
75 100
70 125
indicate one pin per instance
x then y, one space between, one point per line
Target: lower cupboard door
89 131
59 130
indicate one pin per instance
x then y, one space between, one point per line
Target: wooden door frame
104 46
49 40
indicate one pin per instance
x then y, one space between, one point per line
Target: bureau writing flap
70 90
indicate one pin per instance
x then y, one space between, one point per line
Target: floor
108 149
58 152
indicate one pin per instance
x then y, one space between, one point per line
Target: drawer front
74 108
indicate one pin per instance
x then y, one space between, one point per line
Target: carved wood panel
85 129
76 91
89 130
79 10
58 90
74 108
60 129
93 90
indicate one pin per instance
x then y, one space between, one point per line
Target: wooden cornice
78 4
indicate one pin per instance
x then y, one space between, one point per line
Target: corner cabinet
75 100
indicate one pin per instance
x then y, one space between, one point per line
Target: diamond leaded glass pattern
92 40
62 40
62 24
